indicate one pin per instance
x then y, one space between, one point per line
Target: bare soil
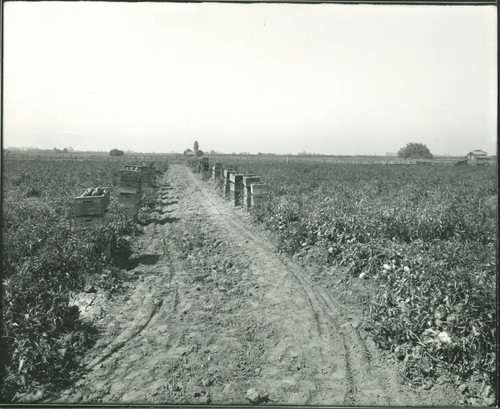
213 314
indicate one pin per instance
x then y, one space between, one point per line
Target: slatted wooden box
92 205
256 200
236 178
130 190
129 175
259 194
258 188
129 198
227 166
227 181
205 165
247 180
137 185
132 211
82 222
216 170
236 188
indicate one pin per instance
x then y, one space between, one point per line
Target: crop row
45 259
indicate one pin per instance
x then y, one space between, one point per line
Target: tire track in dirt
363 385
263 251
121 340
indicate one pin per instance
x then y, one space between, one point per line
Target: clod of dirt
31 397
256 396
205 400
206 382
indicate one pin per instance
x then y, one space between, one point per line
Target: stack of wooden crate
91 207
227 182
247 193
205 165
260 194
130 189
235 188
246 190
216 170
224 178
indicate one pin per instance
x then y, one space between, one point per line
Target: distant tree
65 150
415 150
115 152
199 153
196 146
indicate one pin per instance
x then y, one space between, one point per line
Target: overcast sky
285 78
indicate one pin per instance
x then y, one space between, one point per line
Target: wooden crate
227 182
202 165
130 185
130 190
236 186
235 197
129 199
129 175
236 178
227 172
82 222
91 205
258 188
256 200
216 171
132 211
247 180
205 165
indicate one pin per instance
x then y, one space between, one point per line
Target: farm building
478 153
478 157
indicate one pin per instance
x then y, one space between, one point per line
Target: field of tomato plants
424 238
45 259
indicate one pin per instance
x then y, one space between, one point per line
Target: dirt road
214 315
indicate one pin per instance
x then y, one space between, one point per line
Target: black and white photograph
249 204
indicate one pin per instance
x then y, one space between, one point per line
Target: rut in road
221 312
352 364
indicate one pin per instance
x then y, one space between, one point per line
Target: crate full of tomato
131 174
92 202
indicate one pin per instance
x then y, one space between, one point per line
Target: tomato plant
426 235
45 259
